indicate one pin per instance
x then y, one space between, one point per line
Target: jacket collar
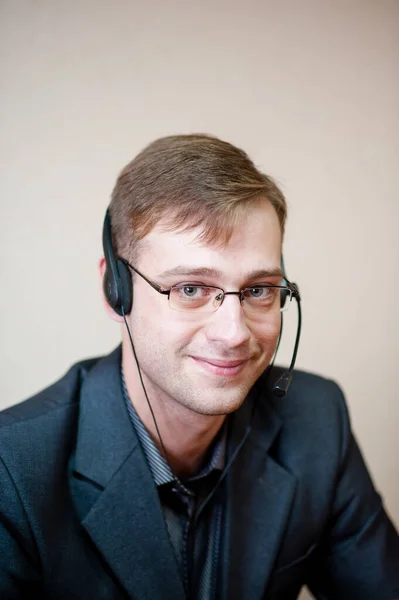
105 434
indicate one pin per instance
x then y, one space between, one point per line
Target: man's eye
259 292
190 291
261 296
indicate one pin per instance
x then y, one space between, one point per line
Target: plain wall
310 89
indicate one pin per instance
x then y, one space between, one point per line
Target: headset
118 291
117 280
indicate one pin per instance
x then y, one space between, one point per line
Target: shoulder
44 426
38 437
60 395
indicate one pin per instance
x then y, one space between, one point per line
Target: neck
186 435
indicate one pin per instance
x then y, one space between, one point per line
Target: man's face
206 362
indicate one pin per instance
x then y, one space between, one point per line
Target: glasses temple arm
151 283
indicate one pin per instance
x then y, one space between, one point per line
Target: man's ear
110 312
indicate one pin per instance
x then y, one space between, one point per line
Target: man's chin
212 405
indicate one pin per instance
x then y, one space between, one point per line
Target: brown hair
188 181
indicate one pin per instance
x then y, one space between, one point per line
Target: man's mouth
221 367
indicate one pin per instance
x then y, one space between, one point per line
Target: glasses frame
291 288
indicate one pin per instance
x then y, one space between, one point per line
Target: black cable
176 479
298 335
271 365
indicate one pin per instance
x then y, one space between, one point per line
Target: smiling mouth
222 363
222 367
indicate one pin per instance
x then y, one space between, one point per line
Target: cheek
267 334
149 309
154 319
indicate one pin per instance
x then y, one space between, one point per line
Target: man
169 469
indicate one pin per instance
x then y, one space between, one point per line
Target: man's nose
228 323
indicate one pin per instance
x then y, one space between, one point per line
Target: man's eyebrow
187 271
277 272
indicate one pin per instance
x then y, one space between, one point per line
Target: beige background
309 88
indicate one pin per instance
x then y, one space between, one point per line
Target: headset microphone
281 386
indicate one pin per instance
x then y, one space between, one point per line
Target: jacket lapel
260 494
114 492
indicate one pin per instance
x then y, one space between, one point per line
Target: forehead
254 244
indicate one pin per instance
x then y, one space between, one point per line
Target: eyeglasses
256 299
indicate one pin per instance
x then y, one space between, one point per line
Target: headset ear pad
118 290
126 285
109 288
283 297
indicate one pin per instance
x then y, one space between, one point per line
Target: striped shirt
194 524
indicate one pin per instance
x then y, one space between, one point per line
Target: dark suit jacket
80 516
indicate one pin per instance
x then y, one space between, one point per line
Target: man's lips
227 364
221 367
